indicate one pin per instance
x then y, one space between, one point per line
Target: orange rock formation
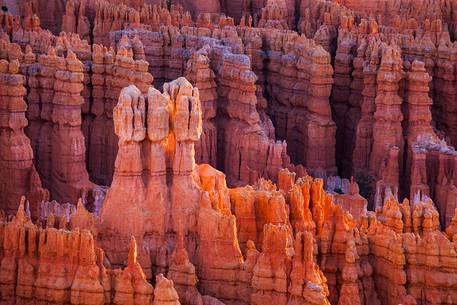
294 152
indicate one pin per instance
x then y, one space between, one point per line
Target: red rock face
111 71
18 173
60 82
241 115
387 149
274 15
75 21
299 82
55 94
205 179
39 265
200 74
166 146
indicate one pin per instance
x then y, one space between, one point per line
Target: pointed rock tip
132 252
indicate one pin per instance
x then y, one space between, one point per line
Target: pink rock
19 177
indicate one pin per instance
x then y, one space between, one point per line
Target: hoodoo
242 152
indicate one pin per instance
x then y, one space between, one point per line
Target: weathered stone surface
387 151
299 82
111 71
45 265
75 21
17 171
171 168
274 15
66 267
62 166
365 90
202 76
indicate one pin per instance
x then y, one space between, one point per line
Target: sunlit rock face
228 152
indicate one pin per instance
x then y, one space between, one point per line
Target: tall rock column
269 280
56 84
41 142
419 128
386 245
69 178
320 151
111 73
201 76
419 102
274 15
102 148
353 114
18 176
127 191
349 293
387 129
345 65
445 89
153 171
245 150
186 130
307 284
33 101
299 83
187 124
69 19
310 128
364 130
157 204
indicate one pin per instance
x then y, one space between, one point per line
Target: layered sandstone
234 78
299 82
168 154
367 90
111 71
274 15
19 177
387 151
57 83
199 73
75 21
167 150
39 265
